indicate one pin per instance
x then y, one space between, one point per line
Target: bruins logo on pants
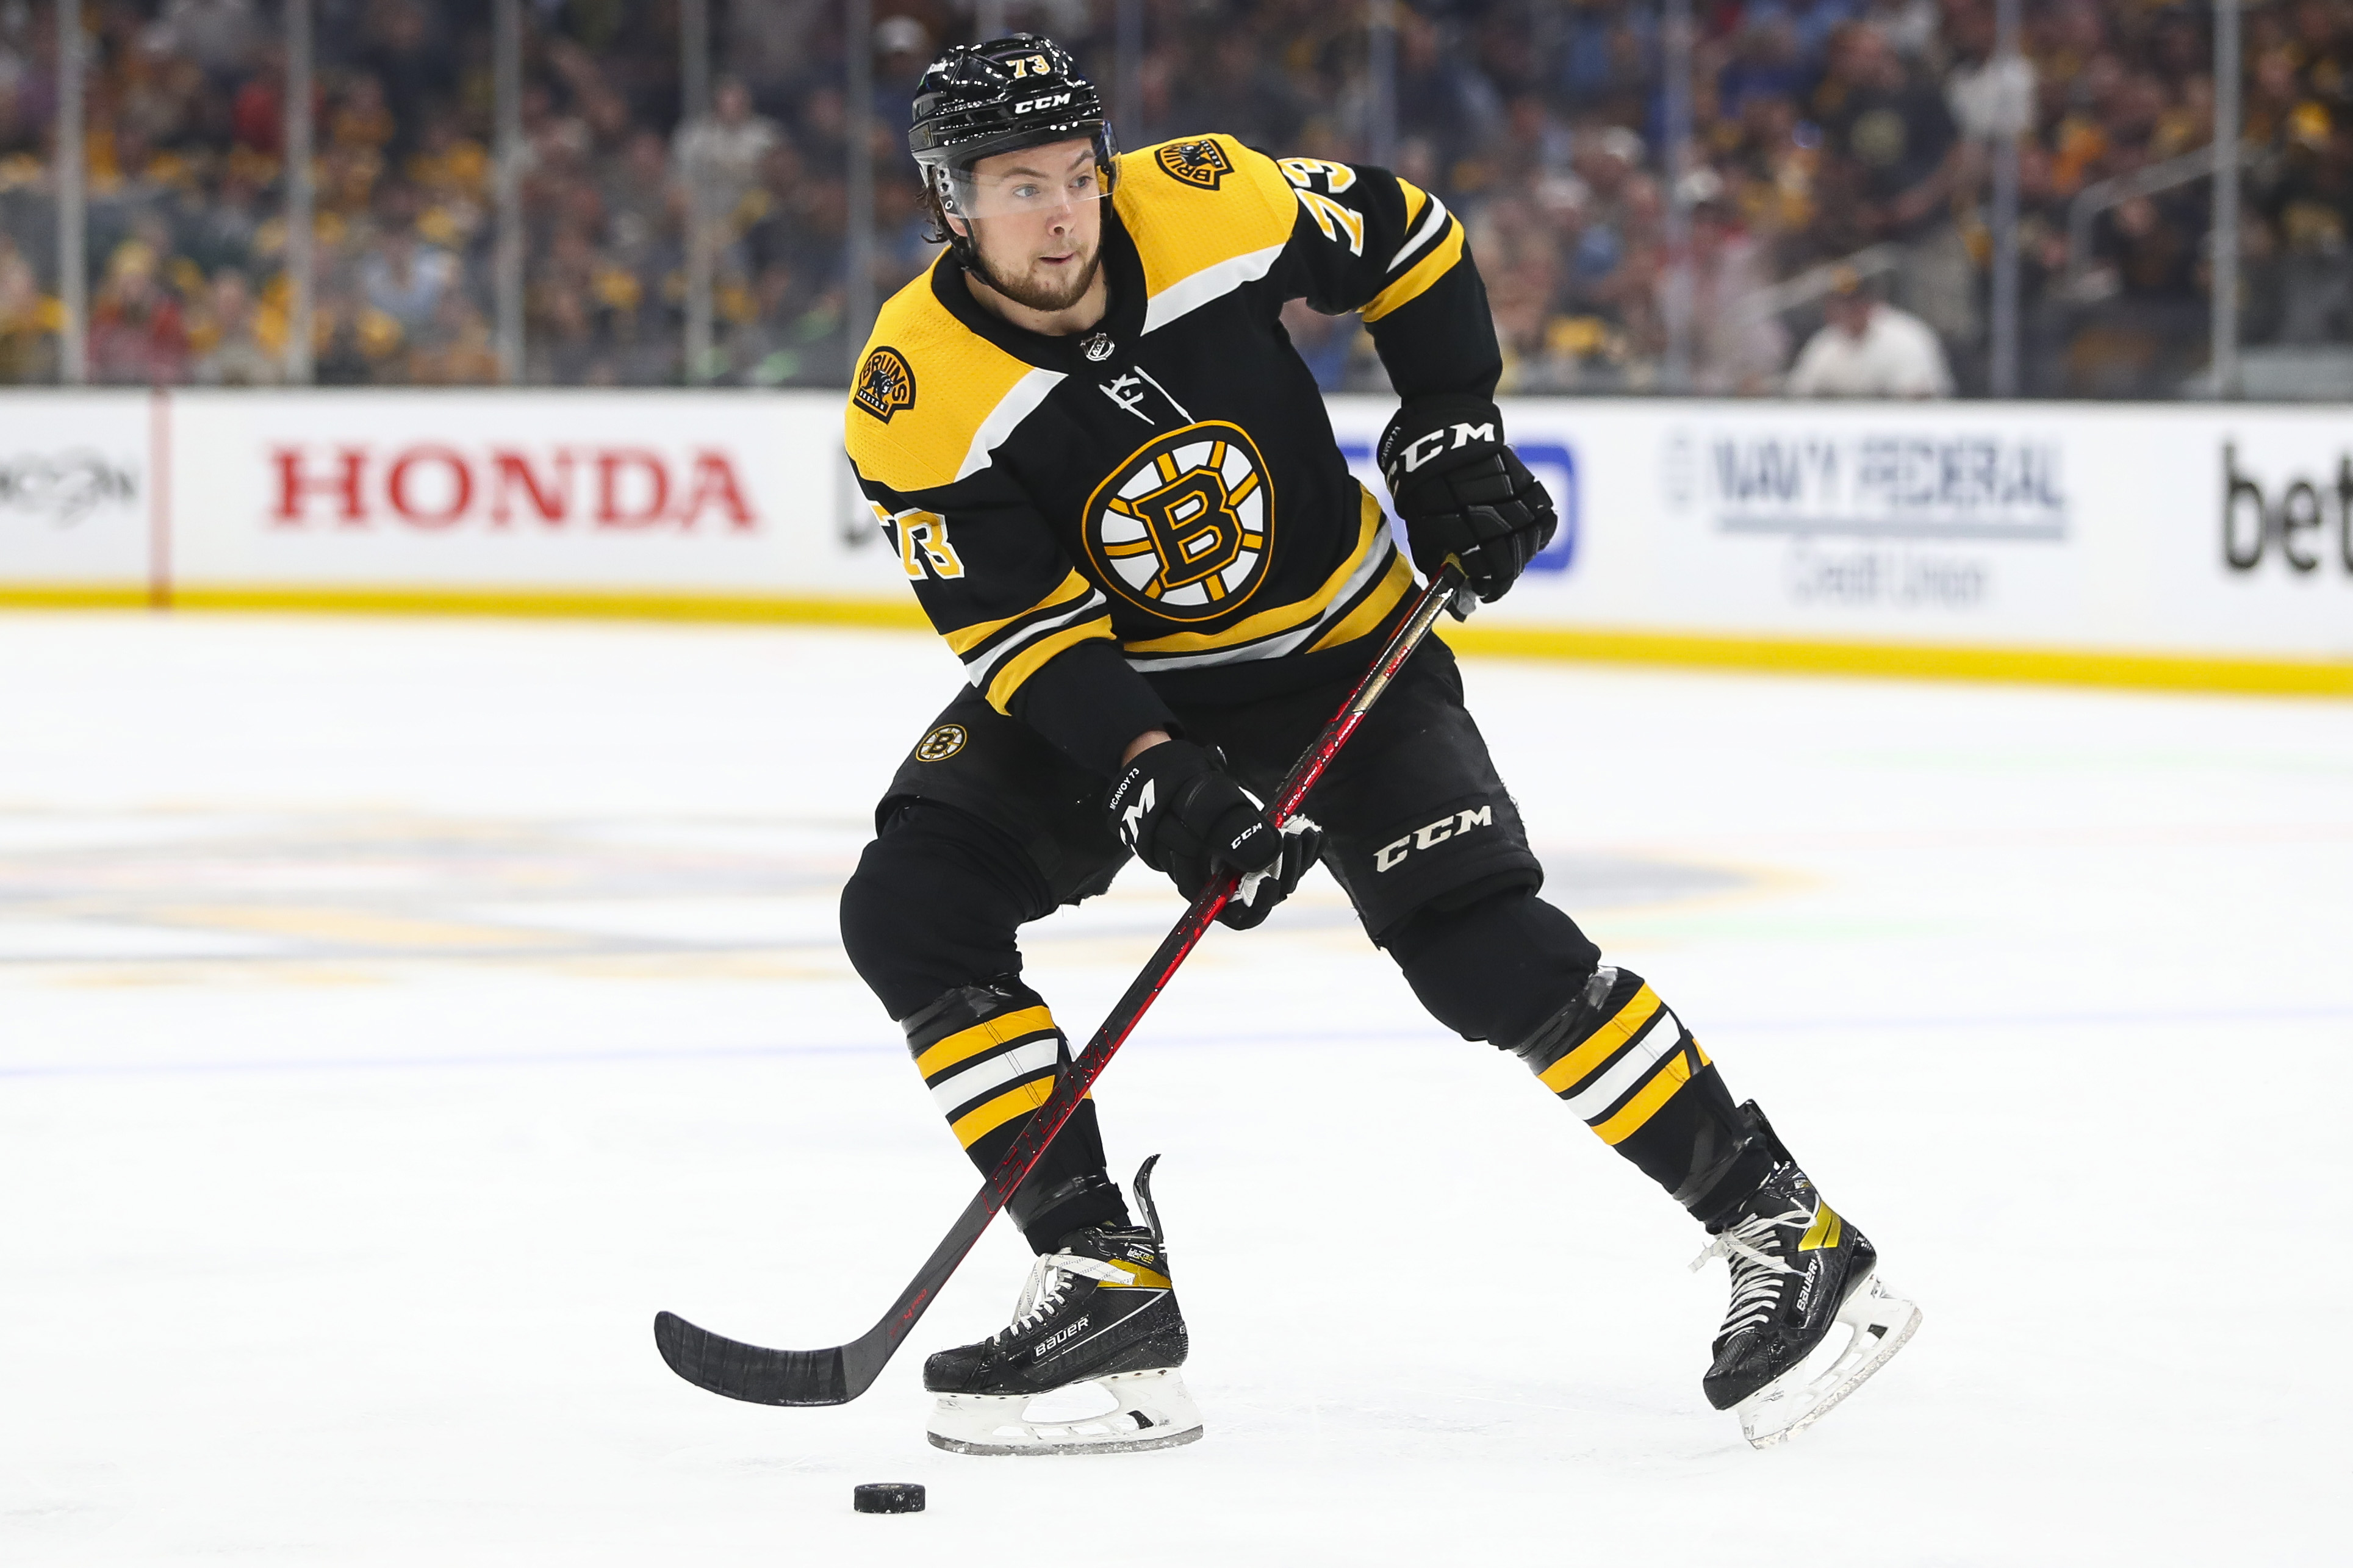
1183 527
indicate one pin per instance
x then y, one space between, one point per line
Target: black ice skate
1097 1325
1799 1269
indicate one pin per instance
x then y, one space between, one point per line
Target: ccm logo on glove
1463 494
1413 454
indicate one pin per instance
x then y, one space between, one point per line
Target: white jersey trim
1433 223
1017 404
983 667
1377 562
1190 293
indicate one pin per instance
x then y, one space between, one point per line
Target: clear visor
1033 183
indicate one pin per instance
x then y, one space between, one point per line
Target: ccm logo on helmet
1422 448
1429 837
1026 105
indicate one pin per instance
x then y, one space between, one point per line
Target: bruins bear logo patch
886 384
1201 163
1182 528
942 743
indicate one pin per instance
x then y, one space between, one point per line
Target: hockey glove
1463 494
1182 814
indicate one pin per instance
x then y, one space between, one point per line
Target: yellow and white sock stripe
989 1073
1620 1071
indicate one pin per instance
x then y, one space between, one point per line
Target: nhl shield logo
1201 163
1182 528
886 384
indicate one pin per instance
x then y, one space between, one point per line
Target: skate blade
1882 1322
1149 1410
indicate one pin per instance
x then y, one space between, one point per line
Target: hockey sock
1624 1062
988 1053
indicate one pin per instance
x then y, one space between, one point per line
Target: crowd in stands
1845 144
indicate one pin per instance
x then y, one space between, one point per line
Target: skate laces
1742 1246
1050 1279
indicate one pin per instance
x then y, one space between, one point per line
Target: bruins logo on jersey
942 743
1202 164
886 384
1183 527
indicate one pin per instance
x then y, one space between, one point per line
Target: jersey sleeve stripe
1439 262
965 639
1415 198
1428 230
1033 655
1374 608
981 667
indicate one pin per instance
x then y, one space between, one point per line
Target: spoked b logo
1182 528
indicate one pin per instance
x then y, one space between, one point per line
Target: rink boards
2159 543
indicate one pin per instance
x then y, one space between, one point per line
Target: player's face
1036 216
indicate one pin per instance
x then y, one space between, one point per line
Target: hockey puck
889 1497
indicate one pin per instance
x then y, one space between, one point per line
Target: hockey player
1114 488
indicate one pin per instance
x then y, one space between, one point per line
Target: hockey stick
838 1375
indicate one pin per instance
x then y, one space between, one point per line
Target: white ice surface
394 1013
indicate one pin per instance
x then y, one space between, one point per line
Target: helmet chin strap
968 253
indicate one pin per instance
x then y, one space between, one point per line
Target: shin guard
1624 1062
989 1055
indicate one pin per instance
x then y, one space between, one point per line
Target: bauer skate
1799 1271
1089 1364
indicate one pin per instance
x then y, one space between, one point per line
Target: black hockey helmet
980 99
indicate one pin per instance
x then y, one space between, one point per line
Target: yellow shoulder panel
1201 202
927 385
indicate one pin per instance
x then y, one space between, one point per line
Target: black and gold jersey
1162 494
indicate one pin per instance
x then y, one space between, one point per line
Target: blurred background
1665 195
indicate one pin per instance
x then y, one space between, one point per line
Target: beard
1043 294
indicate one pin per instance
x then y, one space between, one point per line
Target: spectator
25 318
459 352
137 333
723 152
1899 164
228 340
215 34
404 280
1736 347
1867 349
